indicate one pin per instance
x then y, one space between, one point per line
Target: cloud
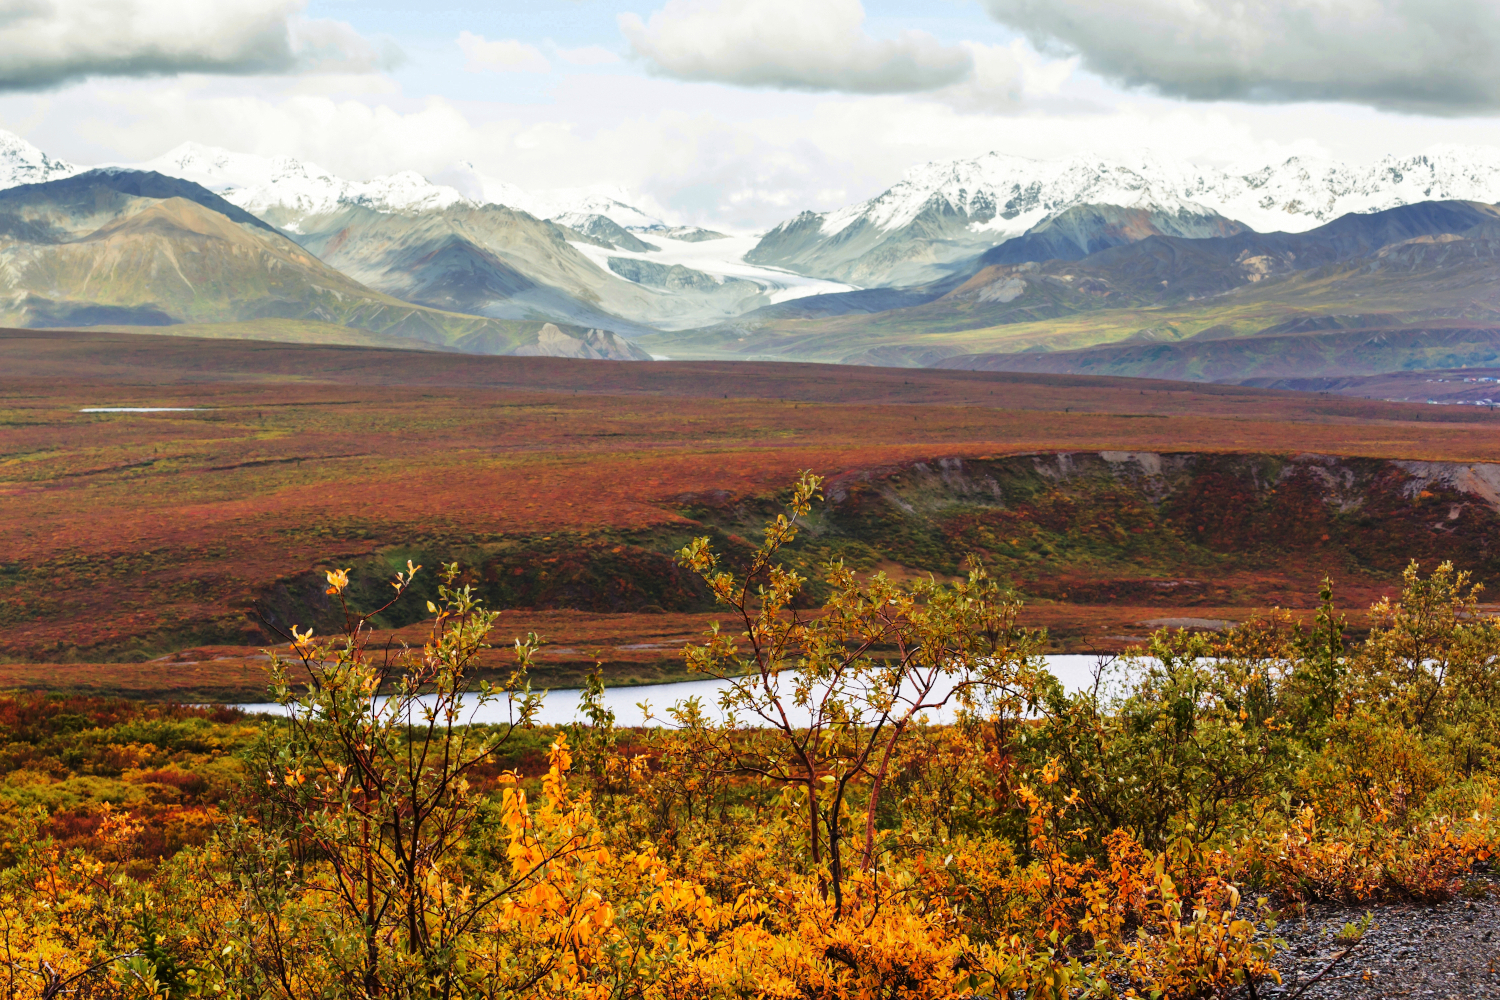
731 159
48 43
1003 77
1433 56
813 45
504 55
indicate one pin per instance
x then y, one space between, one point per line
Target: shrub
1045 843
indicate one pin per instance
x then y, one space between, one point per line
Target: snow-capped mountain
1007 194
570 208
477 244
23 163
999 190
1300 193
468 242
940 213
284 190
565 206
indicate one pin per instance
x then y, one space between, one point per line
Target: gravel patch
1449 950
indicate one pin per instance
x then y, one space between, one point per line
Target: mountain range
942 213
1166 306
140 249
578 257
995 261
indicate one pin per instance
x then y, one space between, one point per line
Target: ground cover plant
131 536
1138 838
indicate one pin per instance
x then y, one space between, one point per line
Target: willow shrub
819 834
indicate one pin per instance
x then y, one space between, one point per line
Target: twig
55 984
1329 968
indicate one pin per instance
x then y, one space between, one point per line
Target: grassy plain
835 338
130 536
838 338
290 331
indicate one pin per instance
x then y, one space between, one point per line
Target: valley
564 486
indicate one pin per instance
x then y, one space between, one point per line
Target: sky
740 113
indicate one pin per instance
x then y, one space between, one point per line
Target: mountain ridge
1399 268
899 235
996 251
121 248
535 264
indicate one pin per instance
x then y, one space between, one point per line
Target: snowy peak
286 190
480 189
942 214
610 203
1294 195
1299 193
289 190
23 163
407 191
219 169
998 185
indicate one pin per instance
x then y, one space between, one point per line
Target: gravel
1449 950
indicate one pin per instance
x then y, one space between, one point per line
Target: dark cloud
1428 56
48 43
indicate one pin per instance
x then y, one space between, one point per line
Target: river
631 704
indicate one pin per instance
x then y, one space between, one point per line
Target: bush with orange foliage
1047 844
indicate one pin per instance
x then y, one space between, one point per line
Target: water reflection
630 704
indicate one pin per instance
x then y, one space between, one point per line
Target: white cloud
997 82
589 55
726 158
501 55
814 45
1434 56
751 162
343 84
46 43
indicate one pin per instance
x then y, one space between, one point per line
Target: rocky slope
1180 528
1162 530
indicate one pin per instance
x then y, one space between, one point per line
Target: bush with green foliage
820 834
